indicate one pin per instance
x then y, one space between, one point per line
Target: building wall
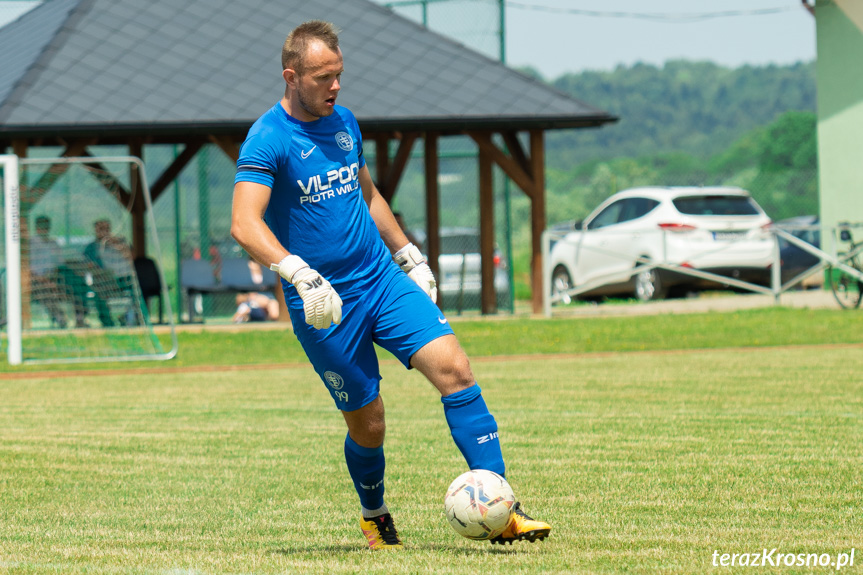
840 111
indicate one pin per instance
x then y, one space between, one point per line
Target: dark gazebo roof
163 69
130 72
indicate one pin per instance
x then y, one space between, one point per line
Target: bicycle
847 288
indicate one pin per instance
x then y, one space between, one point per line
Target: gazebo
120 72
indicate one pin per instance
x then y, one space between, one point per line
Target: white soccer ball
479 504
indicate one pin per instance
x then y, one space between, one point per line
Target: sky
560 36
12 9
565 40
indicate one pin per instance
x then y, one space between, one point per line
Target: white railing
776 287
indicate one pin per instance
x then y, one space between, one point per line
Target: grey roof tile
23 41
147 19
211 61
164 11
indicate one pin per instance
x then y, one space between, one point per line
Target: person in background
104 272
256 306
114 275
109 252
46 257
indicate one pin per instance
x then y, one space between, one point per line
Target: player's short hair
297 43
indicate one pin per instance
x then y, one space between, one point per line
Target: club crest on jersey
345 142
334 380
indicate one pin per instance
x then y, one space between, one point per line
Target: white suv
719 230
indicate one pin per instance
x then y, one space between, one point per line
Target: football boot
381 532
522 527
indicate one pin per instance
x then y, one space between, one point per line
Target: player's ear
290 77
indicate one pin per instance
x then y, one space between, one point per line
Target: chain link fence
475 23
782 193
193 213
193 217
196 223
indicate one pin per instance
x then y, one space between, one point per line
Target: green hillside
686 123
695 107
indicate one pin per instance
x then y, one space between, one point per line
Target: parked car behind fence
719 230
459 270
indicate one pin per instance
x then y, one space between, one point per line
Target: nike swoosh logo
442 320
305 154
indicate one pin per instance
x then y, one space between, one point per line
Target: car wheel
648 285
560 283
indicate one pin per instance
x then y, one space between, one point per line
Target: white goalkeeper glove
412 262
321 304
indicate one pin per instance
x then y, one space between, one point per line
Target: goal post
13 257
74 289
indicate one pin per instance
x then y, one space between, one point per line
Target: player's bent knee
370 435
377 430
367 425
460 372
445 364
453 376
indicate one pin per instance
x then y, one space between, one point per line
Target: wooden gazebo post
139 206
488 299
529 174
537 216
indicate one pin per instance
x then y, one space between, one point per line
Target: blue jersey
316 209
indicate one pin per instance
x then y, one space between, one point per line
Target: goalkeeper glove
414 264
321 304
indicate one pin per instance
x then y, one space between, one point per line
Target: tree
790 142
698 108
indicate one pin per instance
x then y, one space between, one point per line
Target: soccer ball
479 504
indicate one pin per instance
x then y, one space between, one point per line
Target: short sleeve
258 161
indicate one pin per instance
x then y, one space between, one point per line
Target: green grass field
647 443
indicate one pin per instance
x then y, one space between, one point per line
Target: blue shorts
392 312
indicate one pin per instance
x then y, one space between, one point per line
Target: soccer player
305 204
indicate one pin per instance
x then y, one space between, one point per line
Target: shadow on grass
480 549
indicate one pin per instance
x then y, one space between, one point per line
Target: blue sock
366 466
474 429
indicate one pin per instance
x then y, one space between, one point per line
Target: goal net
80 262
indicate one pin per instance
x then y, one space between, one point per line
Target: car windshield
716 206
